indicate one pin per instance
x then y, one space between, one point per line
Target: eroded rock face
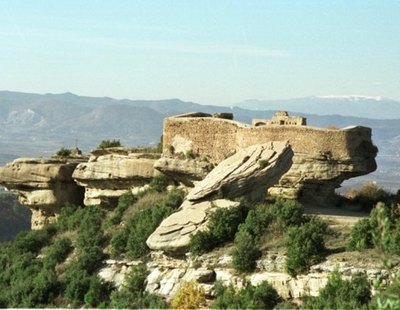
186 171
249 172
167 274
113 172
173 234
44 185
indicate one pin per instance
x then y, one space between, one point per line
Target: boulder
111 174
44 185
174 233
251 171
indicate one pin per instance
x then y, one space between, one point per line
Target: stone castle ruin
281 118
323 158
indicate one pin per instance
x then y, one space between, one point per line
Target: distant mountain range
360 106
38 125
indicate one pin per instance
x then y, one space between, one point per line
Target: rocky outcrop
43 185
173 234
323 158
112 172
167 274
187 171
249 172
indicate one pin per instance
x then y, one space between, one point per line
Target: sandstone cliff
43 185
112 172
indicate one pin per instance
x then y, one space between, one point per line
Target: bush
222 226
341 294
132 295
63 152
70 217
33 241
132 237
305 246
245 253
124 202
262 296
59 250
387 297
189 296
159 183
360 236
257 221
288 212
109 143
98 293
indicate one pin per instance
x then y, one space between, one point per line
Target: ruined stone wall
218 138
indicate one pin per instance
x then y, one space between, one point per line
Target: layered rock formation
112 172
323 158
250 172
43 185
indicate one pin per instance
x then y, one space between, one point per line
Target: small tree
305 246
64 152
109 143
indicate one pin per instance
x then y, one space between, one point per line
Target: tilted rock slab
113 173
250 172
174 233
43 185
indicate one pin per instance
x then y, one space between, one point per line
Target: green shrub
262 296
305 246
341 294
395 238
59 250
70 217
109 143
159 183
245 253
34 240
132 295
142 226
222 226
98 293
119 241
201 242
132 237
77 285
387 297
257 221
288 212
63 152
124 202
360 236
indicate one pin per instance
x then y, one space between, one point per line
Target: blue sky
217 52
